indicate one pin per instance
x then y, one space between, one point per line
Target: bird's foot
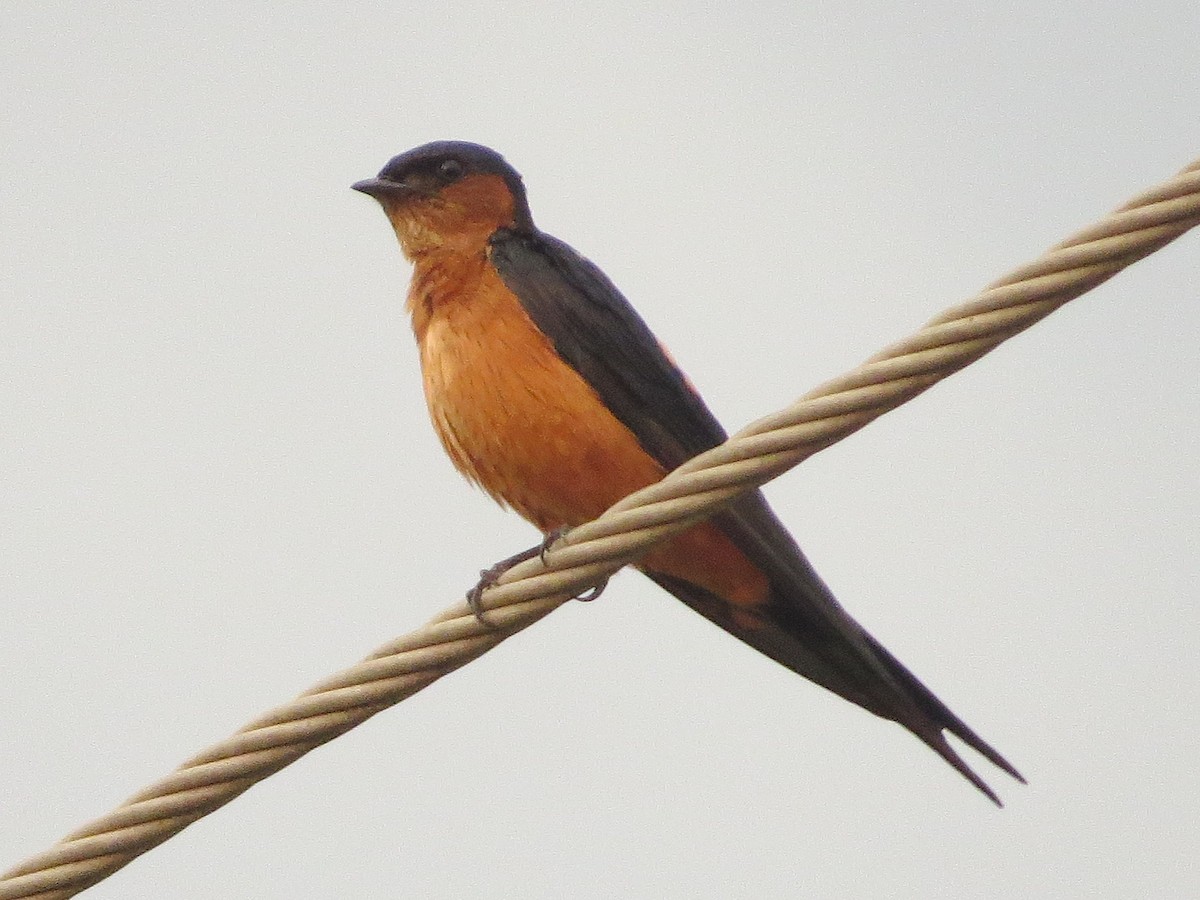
551 538
490 575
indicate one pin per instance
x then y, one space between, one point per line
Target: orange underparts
520 422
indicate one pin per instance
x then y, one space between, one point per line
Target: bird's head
449 195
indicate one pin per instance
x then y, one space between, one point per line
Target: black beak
379 188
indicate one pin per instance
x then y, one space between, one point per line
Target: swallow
548 390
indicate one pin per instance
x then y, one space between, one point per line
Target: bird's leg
553 536
490 575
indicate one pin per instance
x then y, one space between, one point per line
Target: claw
489 576
592 593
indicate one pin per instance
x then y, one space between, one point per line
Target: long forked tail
934 718
849 662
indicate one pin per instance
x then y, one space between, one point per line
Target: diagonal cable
589 553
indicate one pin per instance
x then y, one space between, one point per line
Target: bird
549 391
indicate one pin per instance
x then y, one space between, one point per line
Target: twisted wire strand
591 552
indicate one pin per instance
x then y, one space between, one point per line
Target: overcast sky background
219 484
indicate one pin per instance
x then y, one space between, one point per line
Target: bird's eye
450 170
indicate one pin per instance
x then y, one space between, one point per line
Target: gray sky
220 484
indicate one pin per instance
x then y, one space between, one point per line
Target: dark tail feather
936 740
940 713
937 713
850 663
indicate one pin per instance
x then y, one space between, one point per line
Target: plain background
219 485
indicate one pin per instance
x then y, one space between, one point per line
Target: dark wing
596 330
